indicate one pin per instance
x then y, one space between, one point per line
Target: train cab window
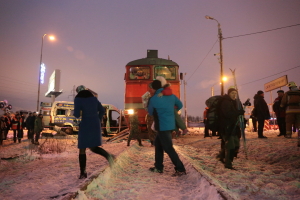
168 72
139 73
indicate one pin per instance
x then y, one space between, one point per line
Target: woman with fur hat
89 135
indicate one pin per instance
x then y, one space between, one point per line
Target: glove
241 112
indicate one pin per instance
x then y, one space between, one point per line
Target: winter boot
109 157
140 142
221 156
82 165
228 158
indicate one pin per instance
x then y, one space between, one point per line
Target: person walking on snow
89 135
229 128
135 132
162 108
168 91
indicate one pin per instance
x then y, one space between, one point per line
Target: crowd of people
163 121
286 107
18 122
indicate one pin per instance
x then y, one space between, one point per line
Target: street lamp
41 69
221 52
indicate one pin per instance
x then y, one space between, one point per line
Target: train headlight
129 112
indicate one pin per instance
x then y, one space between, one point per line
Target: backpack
213 113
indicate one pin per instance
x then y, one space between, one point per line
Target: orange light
51 37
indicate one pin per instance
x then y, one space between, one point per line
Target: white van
62 115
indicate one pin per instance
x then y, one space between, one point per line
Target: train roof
152 59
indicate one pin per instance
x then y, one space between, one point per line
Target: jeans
163 143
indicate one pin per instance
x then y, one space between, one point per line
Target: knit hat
156 84
80 88
259 92
162 80
231 89
280 91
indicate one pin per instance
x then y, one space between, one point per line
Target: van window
60 112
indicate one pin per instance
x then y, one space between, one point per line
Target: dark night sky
96 39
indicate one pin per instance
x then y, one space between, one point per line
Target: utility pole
73 92
221 52
185 111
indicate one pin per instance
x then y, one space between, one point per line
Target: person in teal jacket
162 109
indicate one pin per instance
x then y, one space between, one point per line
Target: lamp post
221 52
40 70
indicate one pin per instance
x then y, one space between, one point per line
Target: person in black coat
261 112
229 127
28 121
31 125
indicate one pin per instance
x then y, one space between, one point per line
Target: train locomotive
139 75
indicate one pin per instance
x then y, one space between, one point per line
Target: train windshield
139 72
168 72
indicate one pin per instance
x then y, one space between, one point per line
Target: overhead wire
203 59
261 31
240 36
270 75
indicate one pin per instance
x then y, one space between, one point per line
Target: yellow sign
277 83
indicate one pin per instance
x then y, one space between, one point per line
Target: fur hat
162 80
259 92
80 88
156 84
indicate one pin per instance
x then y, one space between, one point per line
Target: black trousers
281 125
254 120
261 124
163 143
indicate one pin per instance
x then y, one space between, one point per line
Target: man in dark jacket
229 127
28 122
261 112
280 113
31 126
162 108
291 103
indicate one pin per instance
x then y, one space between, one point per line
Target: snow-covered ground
272 170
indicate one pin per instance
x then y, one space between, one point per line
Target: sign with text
277 83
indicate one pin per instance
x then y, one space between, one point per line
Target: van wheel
68 130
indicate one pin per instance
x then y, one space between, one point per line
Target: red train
139 74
